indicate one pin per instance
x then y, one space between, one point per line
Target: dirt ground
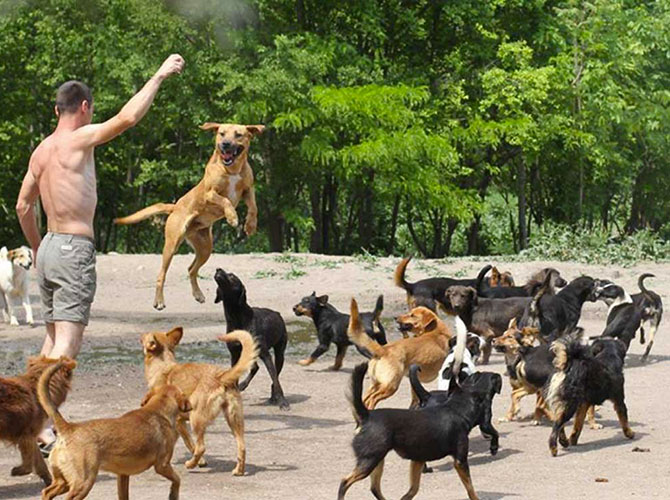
303 453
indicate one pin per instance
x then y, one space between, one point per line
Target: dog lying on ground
21 416
331 327
421 435
558 315
14 279
623 316
125 446
650 306
228 179
585 376
528 290
487 318
208 388
430 292
265 325
391 362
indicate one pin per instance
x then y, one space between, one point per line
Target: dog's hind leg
463 468
376 481
201 241
80 489
252 373
652 334
175 229
622 413
558 431
168 472
123 487
182 429
363 469
277 392
415 469
579 423
58 487
232 409
199 425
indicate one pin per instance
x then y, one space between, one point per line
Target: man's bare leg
63 339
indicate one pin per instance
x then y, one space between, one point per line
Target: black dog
558 315
623 317
528 290
585 376
331 326
430 292
266 326
422 435
650 306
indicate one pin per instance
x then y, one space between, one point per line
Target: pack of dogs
447 335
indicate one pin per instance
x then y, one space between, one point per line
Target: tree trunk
394 225
275 230
366 217
521 194
316 238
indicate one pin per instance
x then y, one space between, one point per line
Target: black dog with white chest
265 325
623 317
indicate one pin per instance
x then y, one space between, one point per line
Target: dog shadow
288 420
34 488
484 458
610 442
217 465
635 360
494 495
291 398
347 371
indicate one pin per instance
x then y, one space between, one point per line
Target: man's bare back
66 181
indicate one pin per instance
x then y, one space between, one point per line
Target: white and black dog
650 306
473 348
623 316
14 278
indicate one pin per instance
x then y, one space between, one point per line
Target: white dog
473 346
14 278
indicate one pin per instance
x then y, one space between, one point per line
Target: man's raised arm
133 111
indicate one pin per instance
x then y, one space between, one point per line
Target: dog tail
145 213
418 389
569 353
643 289
44 397
399 276
481 276
357 334
247 358
361 413
379 307
459 348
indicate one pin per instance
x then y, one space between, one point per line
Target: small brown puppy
209 388
228 179
391 362
21 416
125 446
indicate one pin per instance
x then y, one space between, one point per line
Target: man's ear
174 336
210 126
255 129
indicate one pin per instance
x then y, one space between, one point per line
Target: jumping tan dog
21 416
228 179
209 388
125 446
391 362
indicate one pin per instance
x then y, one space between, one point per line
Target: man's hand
173 64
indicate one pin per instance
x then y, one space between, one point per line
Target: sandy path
304 453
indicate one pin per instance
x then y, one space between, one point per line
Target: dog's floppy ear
497 383
152 344
219 295
430 323
512 324
243 296
379 307
174 336
255 129
323 299
210 126
473 295
148 396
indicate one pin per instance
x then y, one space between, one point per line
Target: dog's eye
237 135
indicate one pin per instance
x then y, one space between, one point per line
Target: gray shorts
66 276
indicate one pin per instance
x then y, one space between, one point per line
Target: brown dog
21 416
209 388
125 446
391 362
228 179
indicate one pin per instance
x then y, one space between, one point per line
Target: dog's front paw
13 321
238 470
534 422
250 226
232 219
506 418
191 463
564 441
283 405
596 427
628 432
306 362
494 450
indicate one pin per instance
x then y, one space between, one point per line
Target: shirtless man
62 173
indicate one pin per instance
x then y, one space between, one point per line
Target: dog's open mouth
230 154
405 327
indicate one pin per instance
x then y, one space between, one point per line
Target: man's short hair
71 94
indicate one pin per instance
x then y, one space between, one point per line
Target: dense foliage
435 127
